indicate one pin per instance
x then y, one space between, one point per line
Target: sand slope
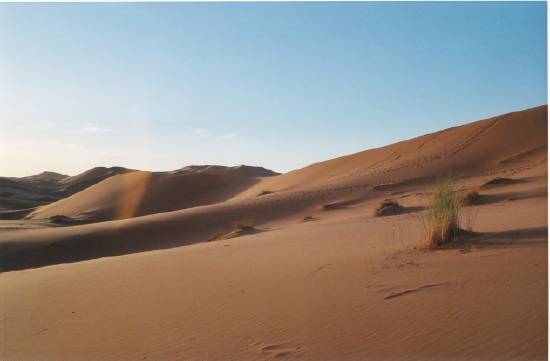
139 193
22 194
321 278
509 141
343 287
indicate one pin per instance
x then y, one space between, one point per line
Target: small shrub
441 219
387 208
245 224
242 227
60 219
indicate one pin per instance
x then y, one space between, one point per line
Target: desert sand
138 265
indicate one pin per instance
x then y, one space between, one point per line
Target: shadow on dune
500 181
412 209
15 214
516 237
504 239
509 196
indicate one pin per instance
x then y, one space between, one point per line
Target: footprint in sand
411 290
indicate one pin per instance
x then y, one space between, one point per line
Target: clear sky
281 85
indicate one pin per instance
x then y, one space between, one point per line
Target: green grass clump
441 219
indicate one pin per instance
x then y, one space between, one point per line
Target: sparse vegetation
60 219
441 220
242 227
387 208
244 224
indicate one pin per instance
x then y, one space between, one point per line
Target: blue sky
281 85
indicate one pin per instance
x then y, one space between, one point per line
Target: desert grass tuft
441 219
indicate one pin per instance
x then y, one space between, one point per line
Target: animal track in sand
320 268
410 290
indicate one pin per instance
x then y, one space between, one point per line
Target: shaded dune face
71 185
47 187
141 193
142 211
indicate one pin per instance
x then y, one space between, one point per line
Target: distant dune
140 193
44 177
240 171
47 187
70 185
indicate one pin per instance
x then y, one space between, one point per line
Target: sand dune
343 287
322 277
355 178
46 187
240 170
16 195
28 192
70 185
505 142
45 177
140 193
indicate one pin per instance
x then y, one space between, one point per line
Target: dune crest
509 141
47 187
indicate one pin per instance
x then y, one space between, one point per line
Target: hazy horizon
228 165
278 85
